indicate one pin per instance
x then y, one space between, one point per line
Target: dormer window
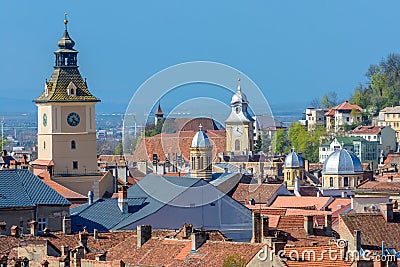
71 89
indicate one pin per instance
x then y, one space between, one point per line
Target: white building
314 118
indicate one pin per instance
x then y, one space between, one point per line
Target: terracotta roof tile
380 186
317 203
261 193
368 130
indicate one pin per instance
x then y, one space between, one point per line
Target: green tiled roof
58 84
348 140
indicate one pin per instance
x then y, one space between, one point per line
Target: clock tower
66 117
239 125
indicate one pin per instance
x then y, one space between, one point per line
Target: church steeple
66 56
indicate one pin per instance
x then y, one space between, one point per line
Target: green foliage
234 261
152 130
306 142
329 100
118 149
259 144
279 141
382 88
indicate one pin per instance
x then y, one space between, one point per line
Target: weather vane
65 20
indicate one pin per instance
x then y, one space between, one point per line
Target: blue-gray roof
294 160
342 161
144 198
21 188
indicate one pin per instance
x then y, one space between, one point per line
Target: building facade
390 116
66 116
366 151
315 117
239 125
201 156
385 136
341 115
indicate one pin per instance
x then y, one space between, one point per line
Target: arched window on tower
193 163
237 145
73 144
44 144
330 181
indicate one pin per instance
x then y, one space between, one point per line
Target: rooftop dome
239 96
200 139
294 160
342 161
66 42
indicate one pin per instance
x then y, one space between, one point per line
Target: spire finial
239 83
65 20
200 127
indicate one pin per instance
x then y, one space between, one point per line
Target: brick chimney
66 225
143 234
309 224
198 239
328 224
34 228
64 250
387 211
187 230
123 199
256 219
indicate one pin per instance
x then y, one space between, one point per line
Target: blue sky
293 50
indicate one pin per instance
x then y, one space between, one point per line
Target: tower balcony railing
71 173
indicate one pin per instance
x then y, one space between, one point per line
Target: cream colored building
293 168
239 125
201 156
341 115
390 116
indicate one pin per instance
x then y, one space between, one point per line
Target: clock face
238 130
73 119
237 109
44 119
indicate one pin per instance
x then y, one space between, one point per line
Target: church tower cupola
66 55
201 156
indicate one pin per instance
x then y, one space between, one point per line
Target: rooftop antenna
65 20
2 132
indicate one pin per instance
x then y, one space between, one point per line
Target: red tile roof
380 186
368 130
342 107
374 230
261 193
317 203
170 143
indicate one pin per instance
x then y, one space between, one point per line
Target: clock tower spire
239 125
66 116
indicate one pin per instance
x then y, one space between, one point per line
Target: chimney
265 226
187 230
90 197
64 250
66 225
256 219
297 187
318 193
123 199
328 224
14 231
198 239
306 165
357 240
34 228
344 194
83 237
309 224
95 235
101 256
387 211
143 234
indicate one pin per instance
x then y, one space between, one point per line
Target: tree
234 261
259 144
279 141
329 100
118 150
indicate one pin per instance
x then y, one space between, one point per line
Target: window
44 144
330 181
42 223
346 181
193 162
73 144
75 165
237 145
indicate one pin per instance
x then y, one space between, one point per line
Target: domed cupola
66 42
239 96
294 160
341 162
200 139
